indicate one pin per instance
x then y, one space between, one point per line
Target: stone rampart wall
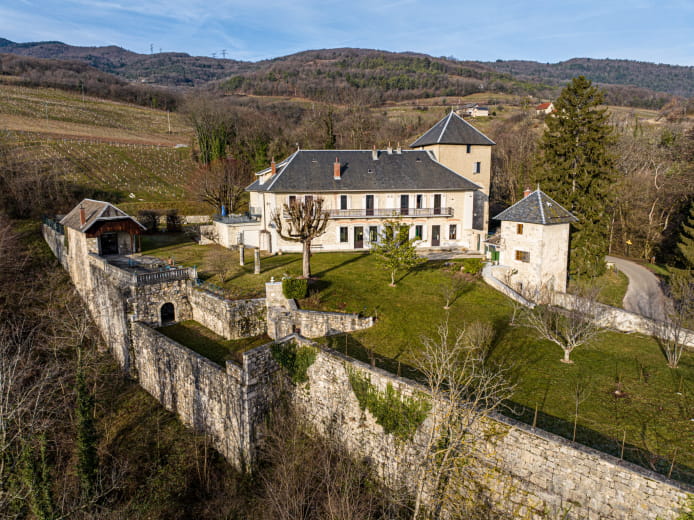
231 319
205 396
56 241
531 472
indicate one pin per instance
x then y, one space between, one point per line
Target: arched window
168 314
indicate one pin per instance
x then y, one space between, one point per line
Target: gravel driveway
644 295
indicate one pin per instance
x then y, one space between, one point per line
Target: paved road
644 295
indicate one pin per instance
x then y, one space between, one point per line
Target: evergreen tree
577 169
87 459
686 241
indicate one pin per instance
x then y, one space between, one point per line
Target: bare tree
451 289
568 328
464 389
673 333
222 183
306 221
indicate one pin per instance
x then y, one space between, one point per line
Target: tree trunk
306 264
392 278
566 359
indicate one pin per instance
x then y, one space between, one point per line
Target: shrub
173 220
295 288
397 414
150 219
472 265
295 360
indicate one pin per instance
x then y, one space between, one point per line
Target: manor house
439 188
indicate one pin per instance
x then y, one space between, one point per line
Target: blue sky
658 31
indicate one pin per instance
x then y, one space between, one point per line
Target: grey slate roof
452 129
94 210
537 208
409 170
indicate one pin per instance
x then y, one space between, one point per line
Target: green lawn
205 342
613 286
654 417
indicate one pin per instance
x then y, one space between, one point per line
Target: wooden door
358 237
435 235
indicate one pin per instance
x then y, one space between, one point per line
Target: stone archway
167 313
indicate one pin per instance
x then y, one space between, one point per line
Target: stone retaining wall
532 474
231 319
56 241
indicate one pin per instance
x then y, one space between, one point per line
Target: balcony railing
167 275
393 212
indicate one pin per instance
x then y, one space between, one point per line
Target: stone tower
459 146
535 242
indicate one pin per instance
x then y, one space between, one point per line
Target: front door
404 204
358 237
435 235
369 205
437 204
109 243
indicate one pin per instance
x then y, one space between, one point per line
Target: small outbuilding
534 242
107 229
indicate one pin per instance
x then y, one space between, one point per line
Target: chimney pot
336 169
374 154
399 149
273 166
390 149
527 192
83 216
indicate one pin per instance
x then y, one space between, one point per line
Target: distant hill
167 68
372 76
673 79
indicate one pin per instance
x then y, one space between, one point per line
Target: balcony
390 213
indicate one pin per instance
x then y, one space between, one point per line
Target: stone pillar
273 294
242 258
256 259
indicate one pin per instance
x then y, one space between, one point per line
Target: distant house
544 108
473 110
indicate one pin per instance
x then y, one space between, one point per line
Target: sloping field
124 151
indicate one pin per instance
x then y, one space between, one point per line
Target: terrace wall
231 319
531 473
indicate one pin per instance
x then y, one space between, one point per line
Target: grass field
653 416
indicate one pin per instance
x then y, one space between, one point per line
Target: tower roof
452 129
537 208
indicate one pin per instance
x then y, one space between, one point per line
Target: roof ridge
443 131
542 209
277 175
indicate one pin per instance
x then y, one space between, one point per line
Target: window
343 201
373 234
420 201
418 232
469 148
344 234
522 256
452 232
292 200
519 229
477 168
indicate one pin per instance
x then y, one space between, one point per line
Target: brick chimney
336 169
83 216
527 192
374 154
273 167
